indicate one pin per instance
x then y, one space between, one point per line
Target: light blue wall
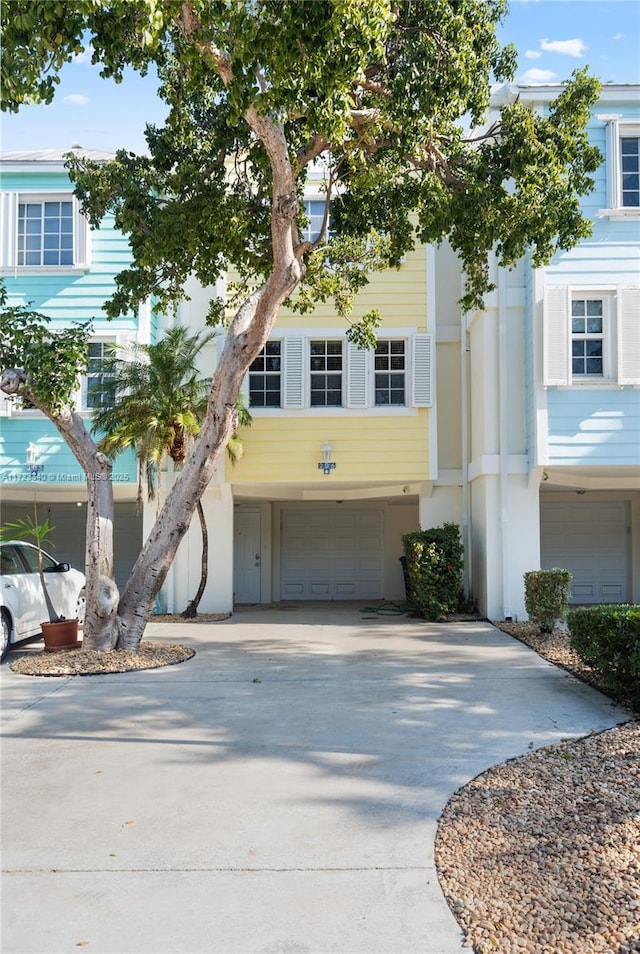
65 297
611 256
595 426
599 427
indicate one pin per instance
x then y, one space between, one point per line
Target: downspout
464 430
503 357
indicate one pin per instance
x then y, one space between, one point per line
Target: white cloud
533 54
77 99
537 76
84 57
618 36
565 47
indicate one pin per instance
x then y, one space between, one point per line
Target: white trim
81 236
616 129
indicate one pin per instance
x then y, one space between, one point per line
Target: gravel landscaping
542 853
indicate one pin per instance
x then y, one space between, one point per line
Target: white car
22 604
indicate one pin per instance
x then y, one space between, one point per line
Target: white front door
246 556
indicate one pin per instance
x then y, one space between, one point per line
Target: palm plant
153 399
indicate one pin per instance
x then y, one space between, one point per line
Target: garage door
591 540
331 554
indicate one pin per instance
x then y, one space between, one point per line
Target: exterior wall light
326 465
32 456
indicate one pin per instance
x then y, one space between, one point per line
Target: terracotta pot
60 636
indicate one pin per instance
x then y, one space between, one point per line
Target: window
587 336
591 337
390 367
630 170
325 366
314 211
295 373
265 377
623 168
42 230
45 233
95 391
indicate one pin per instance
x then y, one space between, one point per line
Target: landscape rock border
84 662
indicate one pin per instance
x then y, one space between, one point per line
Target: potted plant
58 632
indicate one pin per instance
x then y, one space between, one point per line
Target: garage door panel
332 554
589 538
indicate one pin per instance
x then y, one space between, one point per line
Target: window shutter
8 228
356 376
293 372
556 336
629 335
6 405
422 371
81 238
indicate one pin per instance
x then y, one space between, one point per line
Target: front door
246 556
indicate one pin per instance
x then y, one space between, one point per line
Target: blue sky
553 37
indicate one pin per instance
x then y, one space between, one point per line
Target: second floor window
45 233
390 367
630 168
325 366
314 211
587 336
265 377
95 392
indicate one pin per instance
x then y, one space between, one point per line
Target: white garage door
332 554
591 540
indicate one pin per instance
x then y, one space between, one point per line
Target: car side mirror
62 567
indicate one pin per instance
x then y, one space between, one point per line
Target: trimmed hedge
608 639
546 596
433 565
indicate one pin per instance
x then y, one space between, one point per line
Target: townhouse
519 422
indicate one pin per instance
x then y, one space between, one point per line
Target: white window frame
358 376
389 372
9 205
621 336
326 372
604 336
618 129
308 234
279 374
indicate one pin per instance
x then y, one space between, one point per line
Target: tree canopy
387 99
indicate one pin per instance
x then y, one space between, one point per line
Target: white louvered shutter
556 336
8 228
81 238
422 371
629 335
356 376
293 372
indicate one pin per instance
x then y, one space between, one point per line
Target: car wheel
5 634
81 607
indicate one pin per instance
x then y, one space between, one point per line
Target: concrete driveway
277 794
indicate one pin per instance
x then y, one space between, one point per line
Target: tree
153 399
379 95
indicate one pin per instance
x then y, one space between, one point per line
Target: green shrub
546 596
608 639
433 562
